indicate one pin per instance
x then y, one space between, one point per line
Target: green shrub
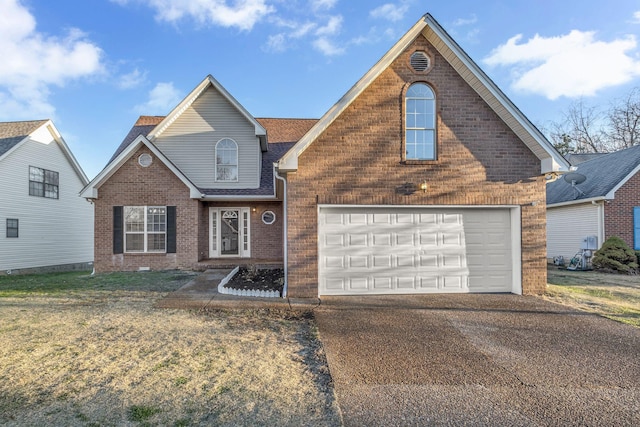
615 255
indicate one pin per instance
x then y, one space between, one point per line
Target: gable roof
605 175
12 134
577 158
285 133
551 160
208 81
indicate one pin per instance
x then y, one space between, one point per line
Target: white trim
467 69
285 228
260 131
90 191
577 202
243 212
516 250
623 181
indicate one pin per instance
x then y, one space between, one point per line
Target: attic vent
420 61
145 160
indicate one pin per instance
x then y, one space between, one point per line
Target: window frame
430 118
142 226
219 164
48 186
16 228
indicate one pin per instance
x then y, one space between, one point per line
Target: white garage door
396 250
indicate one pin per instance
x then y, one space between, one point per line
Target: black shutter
118 237
171 229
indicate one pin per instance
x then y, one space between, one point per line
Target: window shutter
118 234
171 229
636 228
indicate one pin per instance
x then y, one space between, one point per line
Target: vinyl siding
51 231
190 141
568 225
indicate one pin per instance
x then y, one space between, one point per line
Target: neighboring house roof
577 158
12 134
605 174
550 159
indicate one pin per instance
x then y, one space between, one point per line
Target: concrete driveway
478 360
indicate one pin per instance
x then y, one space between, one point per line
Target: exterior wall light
423 186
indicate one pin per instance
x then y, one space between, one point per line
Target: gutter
285 230
577 202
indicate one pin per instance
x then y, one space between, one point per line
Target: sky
94 66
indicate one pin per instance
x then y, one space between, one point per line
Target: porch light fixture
423 186
253 209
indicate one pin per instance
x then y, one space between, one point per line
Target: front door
229 232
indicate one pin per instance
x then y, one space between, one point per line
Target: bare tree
624 121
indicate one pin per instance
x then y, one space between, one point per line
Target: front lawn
615 296
92 350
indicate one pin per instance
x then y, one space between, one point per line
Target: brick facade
358 160
156 185
618 213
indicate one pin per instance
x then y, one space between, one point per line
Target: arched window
420 123
226 160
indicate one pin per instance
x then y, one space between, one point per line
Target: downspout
285 229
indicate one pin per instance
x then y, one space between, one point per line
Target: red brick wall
357 160
618 213
156 185
133 185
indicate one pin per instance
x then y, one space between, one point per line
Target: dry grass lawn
615 296
92 351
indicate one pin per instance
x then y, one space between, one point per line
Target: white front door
229 232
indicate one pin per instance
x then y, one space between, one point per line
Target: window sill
418 162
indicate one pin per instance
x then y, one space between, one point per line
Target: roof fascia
553 162
611 194
577 202
289 162
67 151
260 131
91 190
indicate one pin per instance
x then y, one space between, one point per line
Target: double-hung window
420 123
145 228
12 228
43 183
226 160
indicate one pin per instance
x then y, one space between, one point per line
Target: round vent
145 160
420 61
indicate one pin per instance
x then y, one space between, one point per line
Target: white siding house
568 225
43 221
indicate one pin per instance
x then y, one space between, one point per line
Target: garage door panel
378 250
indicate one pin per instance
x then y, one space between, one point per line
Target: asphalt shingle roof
603 173
11 133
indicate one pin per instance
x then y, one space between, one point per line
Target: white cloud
323 4
132 79
241 14
571 65
390 11
332 28
32 62
327 47
162 99
465 21
636 17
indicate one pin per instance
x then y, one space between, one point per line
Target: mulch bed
266 279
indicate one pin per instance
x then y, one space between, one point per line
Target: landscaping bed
269 279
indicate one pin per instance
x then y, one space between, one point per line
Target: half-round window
226 160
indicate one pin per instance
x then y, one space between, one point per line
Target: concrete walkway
478 360
202 292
